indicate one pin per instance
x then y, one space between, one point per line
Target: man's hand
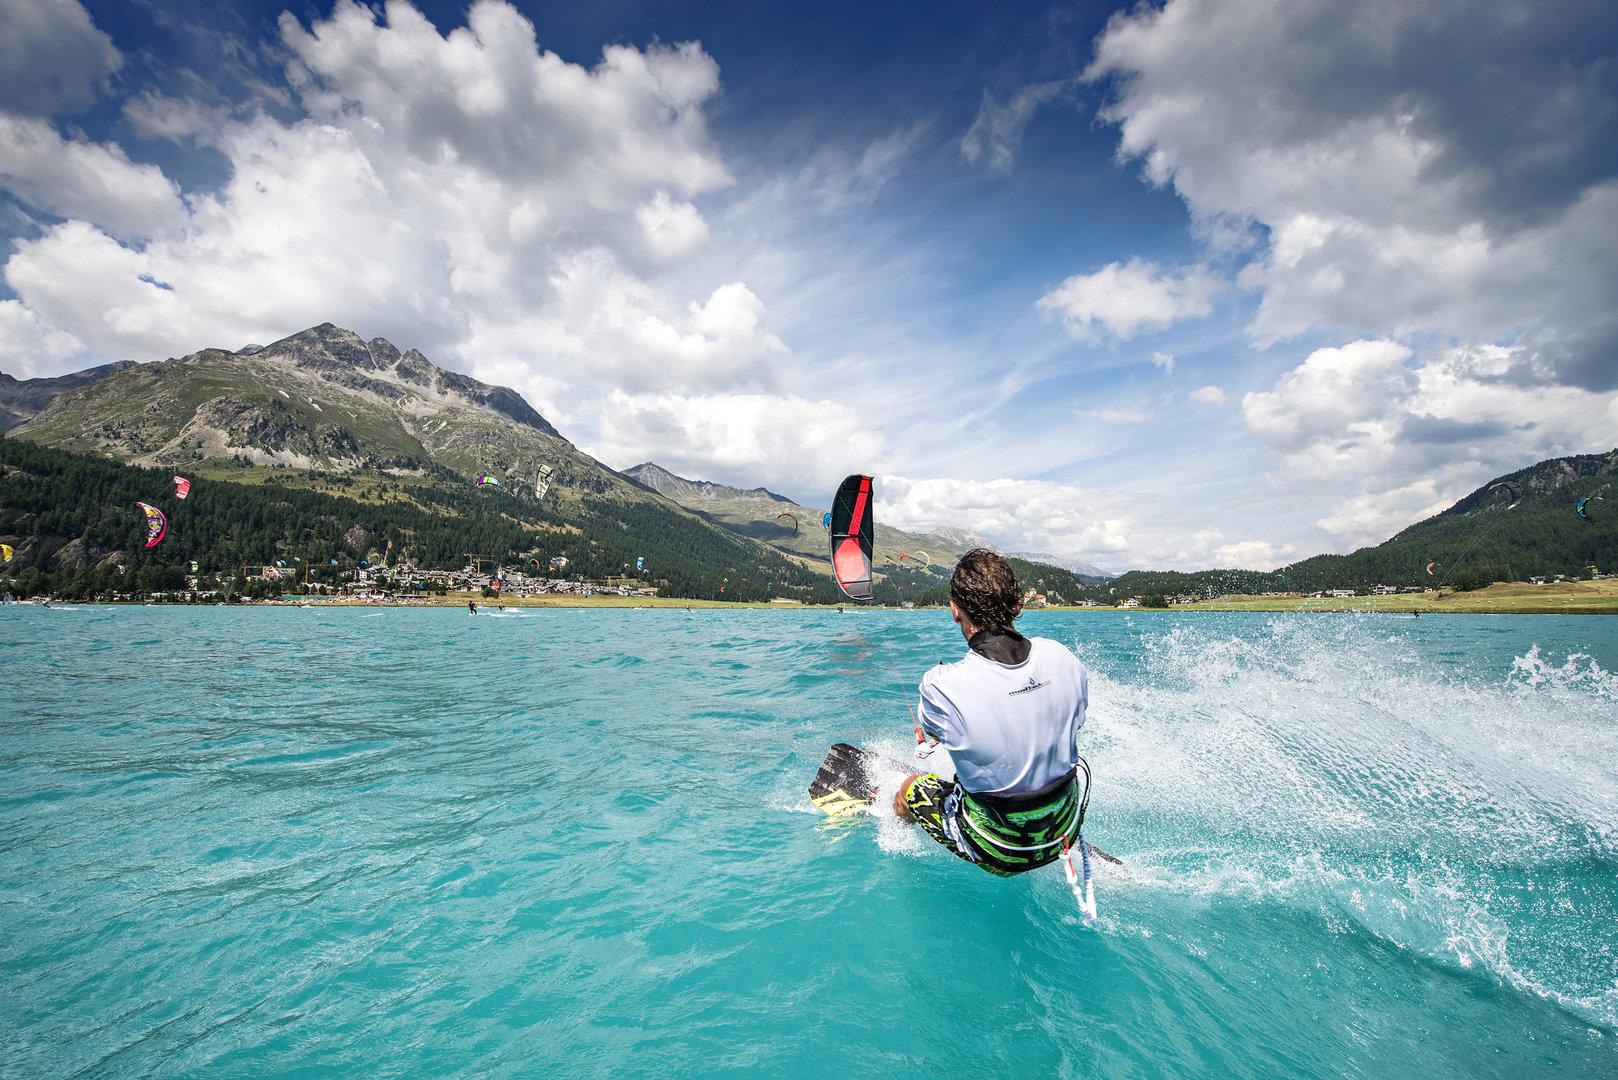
925 744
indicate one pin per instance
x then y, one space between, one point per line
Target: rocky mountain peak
383 351
377 366
680 489
415 368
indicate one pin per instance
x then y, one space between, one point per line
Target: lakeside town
483 580
402 583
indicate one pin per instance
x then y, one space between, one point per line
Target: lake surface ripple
576 842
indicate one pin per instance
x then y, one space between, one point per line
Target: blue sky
1180 285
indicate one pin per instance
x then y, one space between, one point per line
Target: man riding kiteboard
1008 712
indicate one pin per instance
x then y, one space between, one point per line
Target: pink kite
157 526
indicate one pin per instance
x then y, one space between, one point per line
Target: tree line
73 521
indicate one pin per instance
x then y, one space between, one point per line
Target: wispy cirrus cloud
1117 415
997 130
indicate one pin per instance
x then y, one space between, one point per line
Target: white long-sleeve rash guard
1010 728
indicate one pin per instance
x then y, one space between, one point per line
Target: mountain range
21 399
320 399
328 413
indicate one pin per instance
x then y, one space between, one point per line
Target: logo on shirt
1032 685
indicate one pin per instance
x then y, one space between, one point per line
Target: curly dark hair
984 587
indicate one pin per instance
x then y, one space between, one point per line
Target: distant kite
790 517
922 557
1582 503
488 481
1431 567
1512 492
6 552
157 526
182 487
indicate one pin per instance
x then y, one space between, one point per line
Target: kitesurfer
1009 713
472 606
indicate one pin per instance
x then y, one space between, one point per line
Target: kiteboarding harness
1083 892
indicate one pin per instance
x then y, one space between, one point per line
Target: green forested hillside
72 519
1517 526
1495 534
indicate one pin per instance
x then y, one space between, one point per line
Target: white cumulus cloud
672 228
1018 515
771 439
1252 555
468 193
1371 517
1442 168
1208 395
74 178
1337 410
1130 298
29 347
1397 436
52 57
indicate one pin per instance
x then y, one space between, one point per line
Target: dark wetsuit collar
1003 645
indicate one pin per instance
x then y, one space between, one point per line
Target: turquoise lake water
576 843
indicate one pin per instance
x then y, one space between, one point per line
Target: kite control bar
924 745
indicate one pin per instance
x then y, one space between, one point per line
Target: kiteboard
843 785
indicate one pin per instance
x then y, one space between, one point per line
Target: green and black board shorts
1037 820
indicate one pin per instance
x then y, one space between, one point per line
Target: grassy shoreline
1572 598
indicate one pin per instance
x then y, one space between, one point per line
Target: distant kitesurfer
472 606
1009 713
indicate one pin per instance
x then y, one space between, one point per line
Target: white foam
1333 764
